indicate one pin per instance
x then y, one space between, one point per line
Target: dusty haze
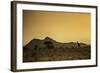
61 26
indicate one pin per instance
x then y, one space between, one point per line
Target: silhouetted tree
49 44
78 44
72 47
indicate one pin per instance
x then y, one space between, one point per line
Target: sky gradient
61 26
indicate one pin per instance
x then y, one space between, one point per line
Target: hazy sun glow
61 26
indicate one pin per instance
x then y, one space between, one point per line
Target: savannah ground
58 54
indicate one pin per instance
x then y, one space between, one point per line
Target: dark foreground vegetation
57 54
34 53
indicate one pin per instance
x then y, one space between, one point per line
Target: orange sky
61 26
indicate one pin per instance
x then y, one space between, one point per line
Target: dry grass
59 54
